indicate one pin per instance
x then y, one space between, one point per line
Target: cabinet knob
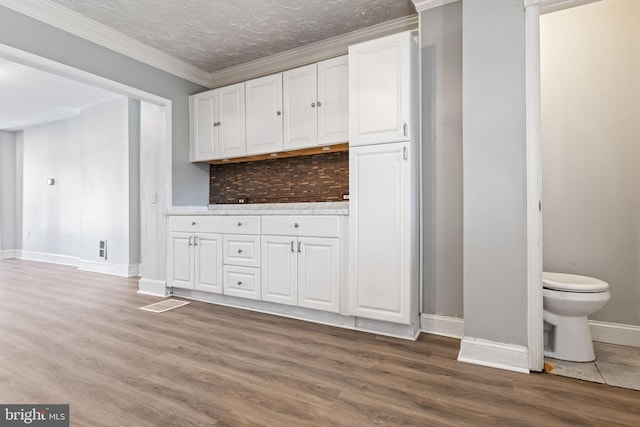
217 124
239 251
319 103
296 225
193 223
239 224
279 113
239 283
313 105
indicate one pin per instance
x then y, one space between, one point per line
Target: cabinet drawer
242 250
242 282
196 224
301 225
241 224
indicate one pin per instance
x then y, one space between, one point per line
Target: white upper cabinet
316 104
203 117
333 100
380 99
231 121
218 123
264 114
300 110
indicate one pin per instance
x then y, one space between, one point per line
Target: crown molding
422 5
79 25
310 53
548 6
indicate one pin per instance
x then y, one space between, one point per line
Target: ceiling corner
422 5
79 25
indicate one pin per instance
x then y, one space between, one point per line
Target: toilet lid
572 283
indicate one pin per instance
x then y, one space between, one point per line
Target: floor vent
165 305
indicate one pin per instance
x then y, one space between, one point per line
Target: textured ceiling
217 34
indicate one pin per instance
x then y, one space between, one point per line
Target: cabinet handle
215 124
313 105
319 103
404 153
239 224
405 129
279 113
190 240
239 251
292 243
299 246
195 241
296 225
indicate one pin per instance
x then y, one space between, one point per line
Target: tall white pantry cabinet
384 179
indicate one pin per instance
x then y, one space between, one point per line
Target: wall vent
102 249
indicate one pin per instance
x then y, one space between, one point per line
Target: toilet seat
572 283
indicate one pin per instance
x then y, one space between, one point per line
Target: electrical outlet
345 197
242 200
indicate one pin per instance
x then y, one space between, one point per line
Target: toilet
567 300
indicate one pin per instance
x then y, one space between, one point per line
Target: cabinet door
180 266
333 101
264 114
279 282
380 231
208 262
319 273
300 110
204 136
380 77
231 121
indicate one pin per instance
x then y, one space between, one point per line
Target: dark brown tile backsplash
316 178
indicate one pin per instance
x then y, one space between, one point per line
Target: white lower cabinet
319 273
279 282
260 257
243 282
302 270
195 261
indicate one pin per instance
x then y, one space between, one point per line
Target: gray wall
591 149
441 41
190 182
8 174
495 285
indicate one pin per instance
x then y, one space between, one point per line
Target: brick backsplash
316 178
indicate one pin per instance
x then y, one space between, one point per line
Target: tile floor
615 365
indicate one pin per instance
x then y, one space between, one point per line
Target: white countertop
319 208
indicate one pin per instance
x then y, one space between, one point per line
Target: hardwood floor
74 337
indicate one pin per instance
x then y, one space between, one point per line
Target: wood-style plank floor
73 337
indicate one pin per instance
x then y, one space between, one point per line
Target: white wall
441 42
153 203
52 213
591 148
89 158
8 208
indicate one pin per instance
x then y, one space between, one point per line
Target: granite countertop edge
319 208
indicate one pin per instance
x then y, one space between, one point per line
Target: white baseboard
442 325
7 254
47 257
510 357
121 270
615 333
152 287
